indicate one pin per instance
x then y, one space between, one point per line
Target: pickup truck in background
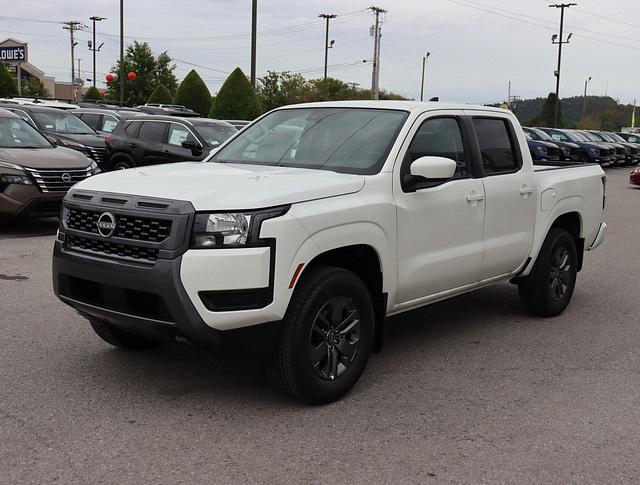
316 222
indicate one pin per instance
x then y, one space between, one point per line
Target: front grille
110 248
96 154
553 153
58 180
127 227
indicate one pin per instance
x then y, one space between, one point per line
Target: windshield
62 122
576 136
591 136
617 138
540 135
17 133
350 140
215 134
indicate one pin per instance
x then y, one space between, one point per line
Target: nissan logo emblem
66 178
106 224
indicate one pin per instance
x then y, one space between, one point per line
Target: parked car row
587 146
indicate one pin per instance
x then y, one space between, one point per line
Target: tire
321 318
547 290
121 338
121 165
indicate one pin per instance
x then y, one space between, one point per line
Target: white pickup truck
310 226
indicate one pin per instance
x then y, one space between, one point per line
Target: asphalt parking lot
471 390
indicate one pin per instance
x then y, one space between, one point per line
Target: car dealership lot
468 390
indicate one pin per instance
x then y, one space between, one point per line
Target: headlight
94 168
71 144
541 150
565 150
231 229
635 170
595 151
12 166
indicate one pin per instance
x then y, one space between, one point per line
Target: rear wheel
326 336
547 290
121 338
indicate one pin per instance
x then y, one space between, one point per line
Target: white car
310 226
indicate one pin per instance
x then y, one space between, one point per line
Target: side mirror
436 169
194 146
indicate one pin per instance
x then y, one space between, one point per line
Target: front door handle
473 199
526 191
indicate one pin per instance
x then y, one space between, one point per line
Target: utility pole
72 26
254 27
327 46
78 79
92 46
424 65
561 41
376 32
509 96
584 99
121 73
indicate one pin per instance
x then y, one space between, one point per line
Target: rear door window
92 119
497 147
108 123
153 132
131 128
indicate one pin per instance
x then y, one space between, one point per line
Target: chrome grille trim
51 180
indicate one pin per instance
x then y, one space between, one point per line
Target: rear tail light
108 139
604 191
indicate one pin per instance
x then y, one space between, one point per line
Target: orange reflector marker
296 273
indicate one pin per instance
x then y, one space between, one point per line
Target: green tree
236 100
31 86
281 88
160 95
7 84
547 117
164 72
92 94
194 94
150 71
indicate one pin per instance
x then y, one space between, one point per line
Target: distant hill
603 112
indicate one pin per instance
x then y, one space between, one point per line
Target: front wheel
547 290
326 336
121 165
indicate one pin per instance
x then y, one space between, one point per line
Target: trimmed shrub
236 100
161 95
92 94
194 94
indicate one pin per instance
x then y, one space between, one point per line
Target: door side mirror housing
428 172
433 168
194 146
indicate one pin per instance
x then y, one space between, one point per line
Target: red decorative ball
111 77
132 76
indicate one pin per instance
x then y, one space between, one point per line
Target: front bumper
29 201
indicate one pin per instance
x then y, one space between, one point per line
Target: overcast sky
476 46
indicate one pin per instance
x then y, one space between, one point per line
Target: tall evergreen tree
194 94
7 84
236 99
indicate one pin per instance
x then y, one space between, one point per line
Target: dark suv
150 140
63 129
104 120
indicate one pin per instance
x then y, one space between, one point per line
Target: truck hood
45 158
226 186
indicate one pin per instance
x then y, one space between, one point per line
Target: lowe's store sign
13 53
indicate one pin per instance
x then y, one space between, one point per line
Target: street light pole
584 101
121 74
95 49
254 27
326 51
561 41
424 64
